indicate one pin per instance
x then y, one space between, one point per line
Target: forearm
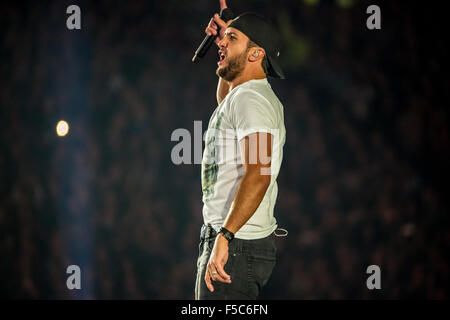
222 90
249 195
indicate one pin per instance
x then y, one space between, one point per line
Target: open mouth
221 57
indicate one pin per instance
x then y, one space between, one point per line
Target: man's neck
244 77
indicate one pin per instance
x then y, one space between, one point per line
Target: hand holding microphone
214 31
216 27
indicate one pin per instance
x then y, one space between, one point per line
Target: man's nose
223 42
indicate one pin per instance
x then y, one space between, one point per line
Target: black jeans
250 264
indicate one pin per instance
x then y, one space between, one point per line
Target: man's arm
256 152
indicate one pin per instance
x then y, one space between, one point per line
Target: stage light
62 128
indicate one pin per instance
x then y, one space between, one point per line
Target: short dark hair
264 62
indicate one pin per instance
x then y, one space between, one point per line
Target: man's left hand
215 268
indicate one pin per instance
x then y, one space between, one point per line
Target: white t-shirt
248 108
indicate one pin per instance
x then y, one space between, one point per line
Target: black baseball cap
263 33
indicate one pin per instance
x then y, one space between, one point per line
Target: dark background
365 162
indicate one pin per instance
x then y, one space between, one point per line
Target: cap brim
274 69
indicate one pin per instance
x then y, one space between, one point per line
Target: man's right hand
217 23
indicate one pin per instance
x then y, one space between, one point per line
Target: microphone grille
226 14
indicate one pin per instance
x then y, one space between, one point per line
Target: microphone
225 14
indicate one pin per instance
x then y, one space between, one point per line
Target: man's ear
256 55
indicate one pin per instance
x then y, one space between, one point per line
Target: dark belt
207 232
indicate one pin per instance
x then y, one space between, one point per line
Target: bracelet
227 234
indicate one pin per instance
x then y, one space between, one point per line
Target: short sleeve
251 112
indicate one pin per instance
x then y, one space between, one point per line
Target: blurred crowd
363 176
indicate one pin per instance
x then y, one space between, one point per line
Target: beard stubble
234 67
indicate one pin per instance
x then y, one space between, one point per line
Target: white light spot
62 128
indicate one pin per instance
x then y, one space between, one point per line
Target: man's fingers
225 276
219 21
210 31
212 24
223 4
213 272
217 275
208 280
216 25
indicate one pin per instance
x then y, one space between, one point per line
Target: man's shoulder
247 93
262 95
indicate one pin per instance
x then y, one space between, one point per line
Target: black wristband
227 234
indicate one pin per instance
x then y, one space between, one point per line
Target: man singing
237 247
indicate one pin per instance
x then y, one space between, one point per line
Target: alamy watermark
74 20
74 280
222 147
374 280
374 20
